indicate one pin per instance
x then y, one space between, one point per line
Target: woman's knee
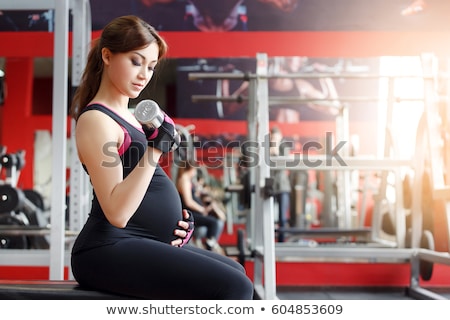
241 287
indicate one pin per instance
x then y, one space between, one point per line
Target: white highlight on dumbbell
148 113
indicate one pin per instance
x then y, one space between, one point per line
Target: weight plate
12 242
10 198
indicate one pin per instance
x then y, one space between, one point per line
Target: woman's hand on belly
185 230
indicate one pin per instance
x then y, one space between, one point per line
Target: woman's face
130 72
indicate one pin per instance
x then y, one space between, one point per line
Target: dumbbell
148 113
11 199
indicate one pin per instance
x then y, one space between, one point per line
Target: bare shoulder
94 122
95 130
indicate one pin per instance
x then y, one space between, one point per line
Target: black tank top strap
135 151
121 121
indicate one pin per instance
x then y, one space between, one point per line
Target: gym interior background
369 50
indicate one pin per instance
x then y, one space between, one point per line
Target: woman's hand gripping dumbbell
159 128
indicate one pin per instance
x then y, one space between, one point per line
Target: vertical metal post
59 139
81 36
264 237
252 213
251 128
343 177
79 181
388 143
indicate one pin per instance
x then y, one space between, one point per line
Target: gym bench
51 290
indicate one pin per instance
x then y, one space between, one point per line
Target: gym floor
350 293
345 280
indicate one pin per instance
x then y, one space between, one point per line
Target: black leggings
149 269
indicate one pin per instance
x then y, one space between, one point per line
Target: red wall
247 44
17 120
18 123
23 113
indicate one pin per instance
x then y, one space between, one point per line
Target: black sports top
157 215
